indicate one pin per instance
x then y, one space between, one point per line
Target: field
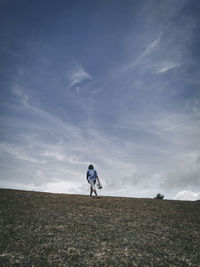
43 229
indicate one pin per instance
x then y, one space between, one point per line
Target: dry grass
43 229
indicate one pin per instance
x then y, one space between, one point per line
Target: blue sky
112 83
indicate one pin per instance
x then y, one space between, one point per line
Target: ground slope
43 229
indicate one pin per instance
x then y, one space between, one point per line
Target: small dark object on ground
159 196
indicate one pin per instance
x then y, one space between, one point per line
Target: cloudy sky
113 83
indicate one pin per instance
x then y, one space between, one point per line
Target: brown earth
43 229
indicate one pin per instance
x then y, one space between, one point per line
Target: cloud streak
76 75
140 59
166 66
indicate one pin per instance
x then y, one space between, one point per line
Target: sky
111 83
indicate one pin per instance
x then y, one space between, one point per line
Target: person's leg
91 190
95 191
94 188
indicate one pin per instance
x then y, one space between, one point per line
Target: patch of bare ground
43 229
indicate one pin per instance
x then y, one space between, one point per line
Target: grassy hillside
43 229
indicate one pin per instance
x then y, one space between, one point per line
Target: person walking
92 176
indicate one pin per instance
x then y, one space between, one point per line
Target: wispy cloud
165 67
17 152
22 96
187 195
178 128
76 75
49 120
150 47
